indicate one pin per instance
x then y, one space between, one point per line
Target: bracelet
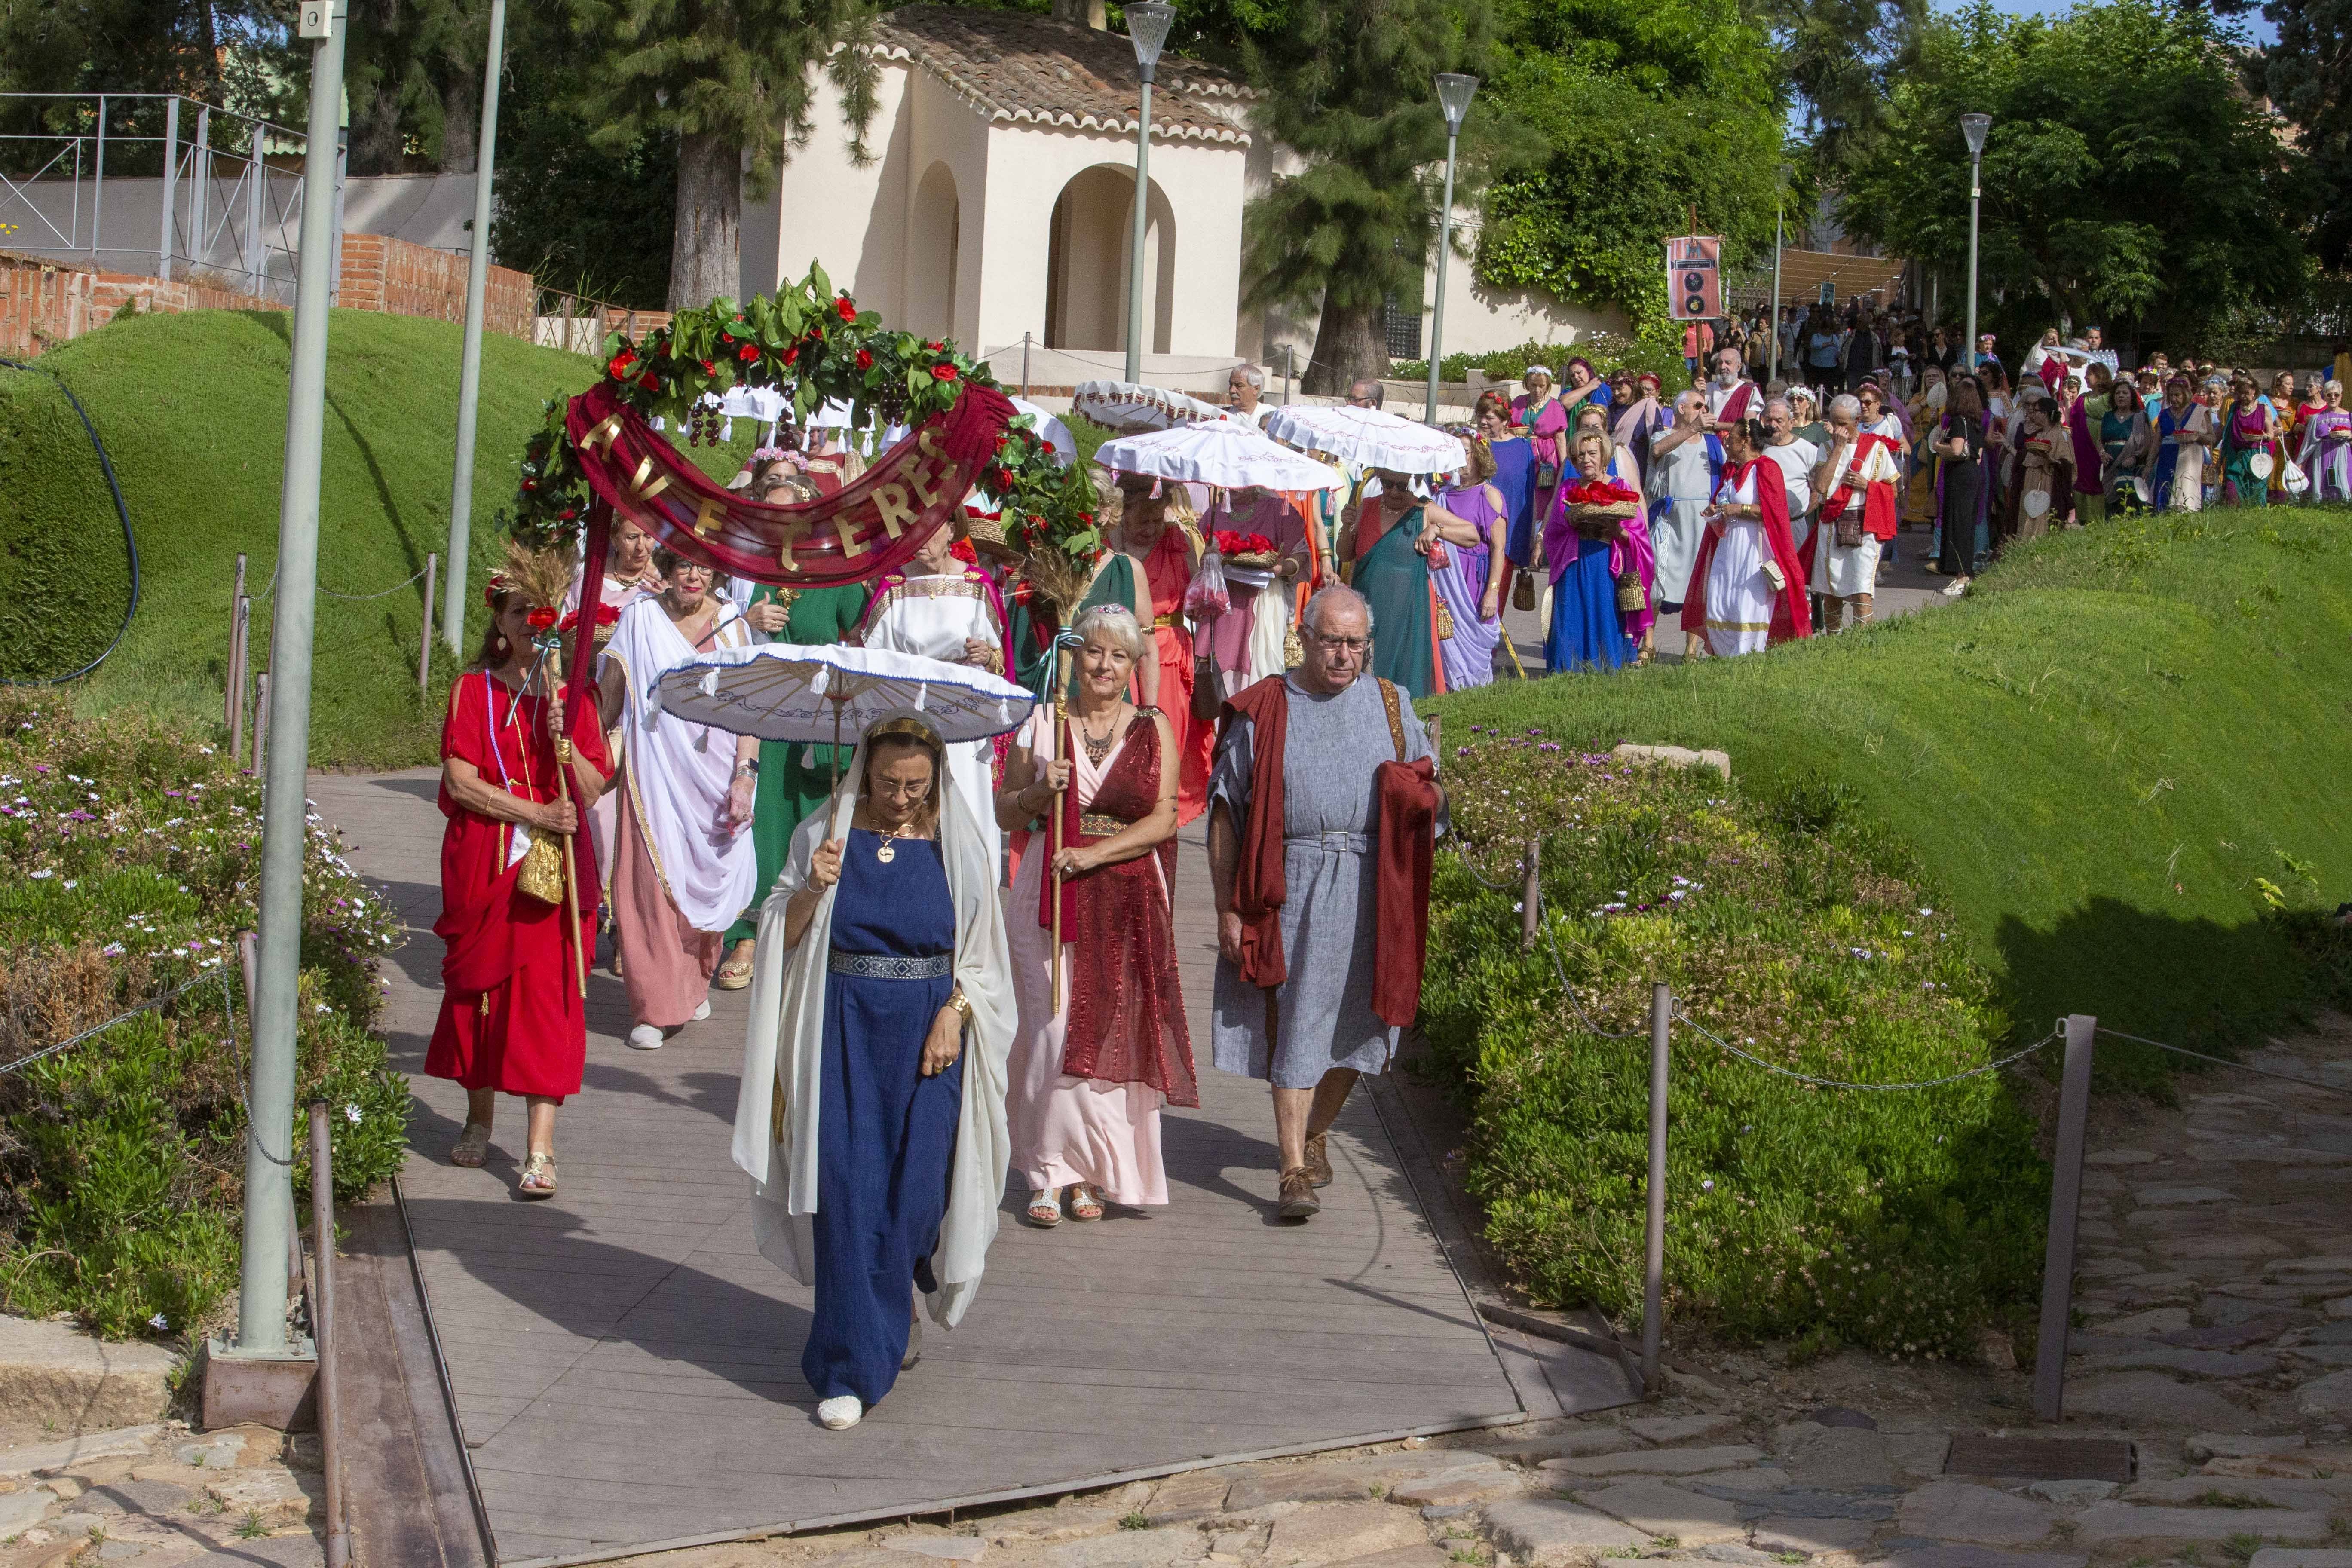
963 1007
747 768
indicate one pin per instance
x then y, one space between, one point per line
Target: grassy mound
192 411
1900 1222
128 856
2114 758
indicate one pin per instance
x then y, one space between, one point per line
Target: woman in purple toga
1462 533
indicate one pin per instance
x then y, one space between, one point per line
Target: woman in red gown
512 1018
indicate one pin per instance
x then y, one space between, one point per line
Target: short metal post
1653 1253
232 687
260 721
1531 896
424 637
1024 365
97 187
2065 1203
322 1329
170 186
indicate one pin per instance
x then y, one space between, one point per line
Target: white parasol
1124 405
779 691
1224 452
1050 430
1368 438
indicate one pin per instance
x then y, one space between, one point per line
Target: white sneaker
701 1013
645 1037
840 1413
1956 587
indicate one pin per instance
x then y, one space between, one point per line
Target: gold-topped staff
1053 865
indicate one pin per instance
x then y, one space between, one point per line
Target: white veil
783 1049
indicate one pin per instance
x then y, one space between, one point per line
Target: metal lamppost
1974 126
1779 216
1453 93
269 1133
469 369
1147 28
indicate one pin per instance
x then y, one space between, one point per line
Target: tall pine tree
1351 91
732 81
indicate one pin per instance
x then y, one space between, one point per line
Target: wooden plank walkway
625 1365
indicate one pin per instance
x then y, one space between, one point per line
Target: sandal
732 975
1084 1202
537 1177
473 1146
1044 1209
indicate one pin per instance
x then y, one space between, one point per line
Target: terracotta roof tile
1010 65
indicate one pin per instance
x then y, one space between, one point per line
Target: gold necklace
1097 749
887 850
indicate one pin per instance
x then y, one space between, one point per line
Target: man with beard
1731 398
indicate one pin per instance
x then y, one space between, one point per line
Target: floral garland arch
815 346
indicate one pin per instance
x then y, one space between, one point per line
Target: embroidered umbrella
1230 453
1127 406
1050 430
780 691
1368 438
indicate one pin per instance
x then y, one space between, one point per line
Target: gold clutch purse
541 876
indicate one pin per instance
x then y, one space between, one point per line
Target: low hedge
128 856
1903 1222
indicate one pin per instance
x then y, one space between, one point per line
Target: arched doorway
1087 262
934 235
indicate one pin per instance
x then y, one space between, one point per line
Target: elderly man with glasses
1367 395
1324 809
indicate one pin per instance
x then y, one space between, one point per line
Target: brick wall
44 302
381 273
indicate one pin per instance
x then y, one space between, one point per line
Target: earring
504 647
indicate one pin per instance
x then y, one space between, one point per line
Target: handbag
2292 478
1205 701
1547 475
1631 598
1444 622
1849 531
541 876
1523 590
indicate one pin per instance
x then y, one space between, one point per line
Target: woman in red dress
512 1018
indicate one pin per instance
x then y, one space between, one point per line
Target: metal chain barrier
347 598
2053 1037
149 1005
2226 1062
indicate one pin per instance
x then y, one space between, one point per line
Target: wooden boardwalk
624 1365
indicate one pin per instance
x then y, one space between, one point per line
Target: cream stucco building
996 202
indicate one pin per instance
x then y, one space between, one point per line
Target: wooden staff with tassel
1053 866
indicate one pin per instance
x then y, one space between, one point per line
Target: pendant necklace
1096 749
887 850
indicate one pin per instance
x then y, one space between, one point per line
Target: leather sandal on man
1318 1158
1298 1199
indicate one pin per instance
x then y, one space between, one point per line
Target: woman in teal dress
793 778
1391 572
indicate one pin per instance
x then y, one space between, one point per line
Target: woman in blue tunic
886 1132
1392 572
1585 630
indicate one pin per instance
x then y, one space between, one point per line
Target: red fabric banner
859 532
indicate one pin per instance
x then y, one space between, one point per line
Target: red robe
1167 573
1792 615
1880 514
511 1015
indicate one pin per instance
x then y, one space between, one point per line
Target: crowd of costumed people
917 1040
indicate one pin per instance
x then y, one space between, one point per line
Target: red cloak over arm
1259 884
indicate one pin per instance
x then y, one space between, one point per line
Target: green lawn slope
2121 759
192 412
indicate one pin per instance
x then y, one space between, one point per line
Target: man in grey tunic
1312 1034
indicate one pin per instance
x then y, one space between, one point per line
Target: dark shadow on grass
2189 982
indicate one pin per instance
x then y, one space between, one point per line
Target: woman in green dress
1392 572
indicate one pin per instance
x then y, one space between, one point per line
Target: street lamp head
1148 21
1974 126
1453 93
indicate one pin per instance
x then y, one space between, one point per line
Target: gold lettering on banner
639 487
890 501
793 532
928 443
605 431
851 545
709 515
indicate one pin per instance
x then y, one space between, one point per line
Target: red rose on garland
865 359
943 371
621 365
747 352
845 309
541 618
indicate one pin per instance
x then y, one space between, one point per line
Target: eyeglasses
1339 644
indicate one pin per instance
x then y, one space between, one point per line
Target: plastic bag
1208 597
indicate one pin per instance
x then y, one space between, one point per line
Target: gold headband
905 724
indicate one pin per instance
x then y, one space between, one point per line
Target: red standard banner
860 531
1695 278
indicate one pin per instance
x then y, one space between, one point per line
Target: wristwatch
747 767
